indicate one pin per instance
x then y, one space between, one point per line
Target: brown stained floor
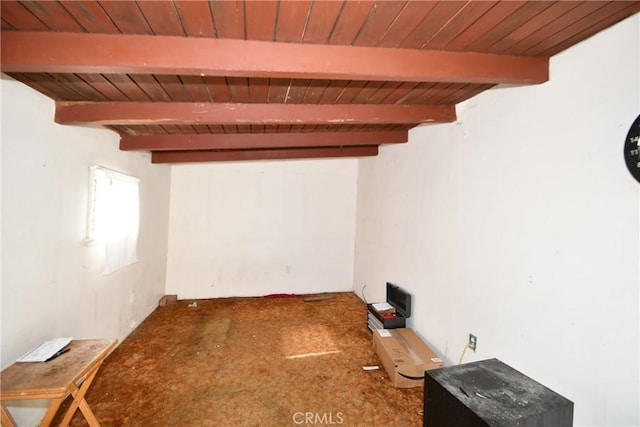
250 362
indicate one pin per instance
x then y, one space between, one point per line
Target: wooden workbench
70 373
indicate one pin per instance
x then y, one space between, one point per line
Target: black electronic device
491 393
399 299
401 303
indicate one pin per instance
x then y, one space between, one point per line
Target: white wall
520 224
52 284
258 228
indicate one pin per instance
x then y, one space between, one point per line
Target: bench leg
7 419
79 402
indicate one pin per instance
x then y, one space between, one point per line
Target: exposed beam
277 154
56 52
187 113
260 140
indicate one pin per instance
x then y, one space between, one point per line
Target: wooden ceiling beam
260 140
276 154
58 52
187 113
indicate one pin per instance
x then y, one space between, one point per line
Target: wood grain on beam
179 113
56 52
260 140
276 154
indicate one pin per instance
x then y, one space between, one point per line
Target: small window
113 215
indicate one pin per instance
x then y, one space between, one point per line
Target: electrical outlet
473 341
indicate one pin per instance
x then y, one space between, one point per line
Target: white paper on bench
45 350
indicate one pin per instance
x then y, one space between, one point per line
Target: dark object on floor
491 393
319 298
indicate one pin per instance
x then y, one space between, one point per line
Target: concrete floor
253 362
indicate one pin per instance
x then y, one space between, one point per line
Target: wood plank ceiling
202 81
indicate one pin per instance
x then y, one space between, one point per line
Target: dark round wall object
631 149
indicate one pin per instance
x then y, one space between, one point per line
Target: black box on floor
399 300
491 393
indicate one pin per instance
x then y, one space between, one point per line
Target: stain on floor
250 362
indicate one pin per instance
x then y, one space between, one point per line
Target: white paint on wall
252 229
52 283
519 224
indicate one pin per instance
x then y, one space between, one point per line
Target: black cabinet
491 393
